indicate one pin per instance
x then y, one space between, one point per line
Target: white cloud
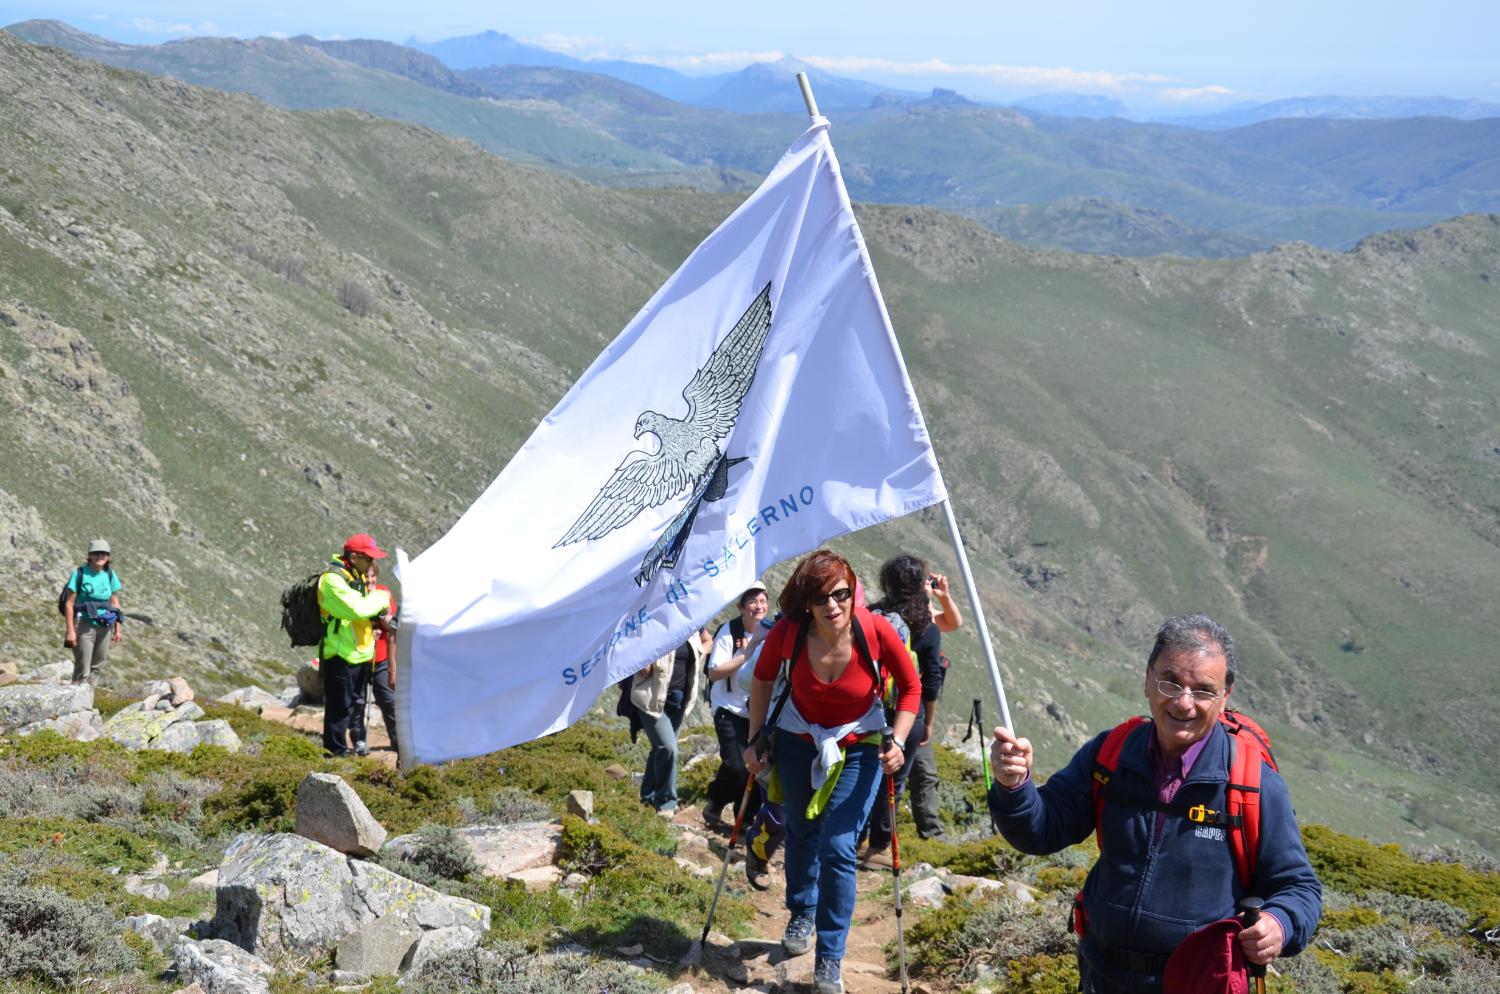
715 61
1193 94
1038 77
579 45
152 26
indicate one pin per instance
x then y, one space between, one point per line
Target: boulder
284 893
180 736
135 728
180 692
927 892
6 679
205 881
50 673
218 732
432 944
538 878
155 892
8 668
29 703
385 894
330 812
219 967
188 711
80 726
161 933
290 697
251 698
155 688
616 772
502 850
581 804
310 683
376 948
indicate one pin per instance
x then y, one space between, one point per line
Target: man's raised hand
1010 758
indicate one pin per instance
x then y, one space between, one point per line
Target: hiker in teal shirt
92 613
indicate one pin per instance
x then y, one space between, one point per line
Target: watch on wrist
900 744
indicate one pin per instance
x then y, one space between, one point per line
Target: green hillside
230 334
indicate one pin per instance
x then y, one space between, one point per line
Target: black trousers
728 785
339 687
379 681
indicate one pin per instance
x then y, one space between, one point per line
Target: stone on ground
287 894
251 698
161 933
376 948
330 812
28 703
80 726
180 691
220 967
310 683
502 850
437 942
581 804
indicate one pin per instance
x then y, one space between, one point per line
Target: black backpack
300 617
62 595
736 632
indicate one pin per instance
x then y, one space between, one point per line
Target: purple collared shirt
1169 775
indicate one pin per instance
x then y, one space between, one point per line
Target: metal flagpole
958 542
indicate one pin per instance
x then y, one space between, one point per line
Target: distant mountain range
1349 108
1094 183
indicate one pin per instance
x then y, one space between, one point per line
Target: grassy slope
1123 439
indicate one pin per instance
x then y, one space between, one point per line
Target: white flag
756 407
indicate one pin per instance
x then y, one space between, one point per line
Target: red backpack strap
1105 763
1249 747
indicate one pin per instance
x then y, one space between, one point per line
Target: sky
1151 54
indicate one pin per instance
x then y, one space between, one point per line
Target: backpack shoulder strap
1106 761
1249 747
737 628
798 645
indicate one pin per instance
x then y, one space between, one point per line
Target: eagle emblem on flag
690 458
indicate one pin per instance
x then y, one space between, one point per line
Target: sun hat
99 545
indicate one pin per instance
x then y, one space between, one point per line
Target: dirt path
759 963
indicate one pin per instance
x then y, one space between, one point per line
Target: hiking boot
756 871
360 749
876 859
713 818
798 937
828 978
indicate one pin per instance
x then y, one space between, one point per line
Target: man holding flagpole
703 446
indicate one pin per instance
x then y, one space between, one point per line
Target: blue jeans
820 871
659 783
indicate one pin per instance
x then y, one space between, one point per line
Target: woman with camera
828 659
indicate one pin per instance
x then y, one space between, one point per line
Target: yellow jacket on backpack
347 610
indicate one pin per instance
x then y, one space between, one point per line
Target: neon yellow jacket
347 612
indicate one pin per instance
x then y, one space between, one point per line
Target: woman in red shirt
825 745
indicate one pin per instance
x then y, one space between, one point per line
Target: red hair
812 576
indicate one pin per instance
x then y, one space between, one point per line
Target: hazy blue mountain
1361 108
399 59
770 87
1074 105
492 48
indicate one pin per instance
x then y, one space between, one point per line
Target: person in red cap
351 609
1164 871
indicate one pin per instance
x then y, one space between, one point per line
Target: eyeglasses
840 596
1171 691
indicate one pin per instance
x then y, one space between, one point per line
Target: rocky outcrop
284 893
251 698
505 851
160 726
310 684
220 967
435 943
29 704
330 812
159 931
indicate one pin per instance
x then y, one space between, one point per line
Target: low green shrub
444 852
638 896
46 935
991 856
509 968
969 929
511 805
1356 867
1054 974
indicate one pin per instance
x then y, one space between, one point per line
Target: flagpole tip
807 95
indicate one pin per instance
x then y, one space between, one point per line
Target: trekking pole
1250 908
886 739
739 820
976 720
